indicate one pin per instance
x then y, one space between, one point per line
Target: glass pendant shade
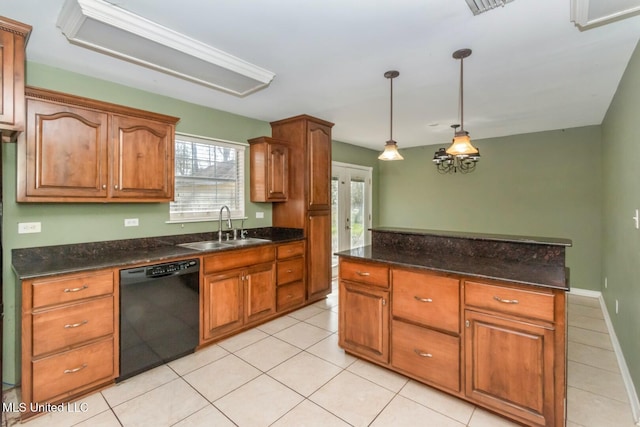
390 152
461 145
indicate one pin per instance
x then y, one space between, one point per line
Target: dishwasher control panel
171 267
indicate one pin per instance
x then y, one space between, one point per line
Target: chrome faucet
229 226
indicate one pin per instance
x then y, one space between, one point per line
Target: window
209 175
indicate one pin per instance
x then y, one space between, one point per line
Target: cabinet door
143 159
509 367
277 172
319 257
222 304
319 166
364 321
260 286
65 155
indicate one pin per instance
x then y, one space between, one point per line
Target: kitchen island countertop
518 259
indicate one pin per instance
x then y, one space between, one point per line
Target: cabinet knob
104 186
115 186
467 324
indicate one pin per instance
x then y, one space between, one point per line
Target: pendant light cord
391 110
461 103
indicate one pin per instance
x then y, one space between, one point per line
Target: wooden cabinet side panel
13 36
143 158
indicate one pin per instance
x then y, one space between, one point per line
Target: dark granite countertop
477 236
535 261
51 260
481 267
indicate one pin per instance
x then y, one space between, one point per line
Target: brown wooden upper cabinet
269 170
81 150
13 41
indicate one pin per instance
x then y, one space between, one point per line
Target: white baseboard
624 370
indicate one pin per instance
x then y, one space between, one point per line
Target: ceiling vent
593 13
109 29
480 6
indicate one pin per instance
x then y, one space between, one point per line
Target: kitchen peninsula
481 317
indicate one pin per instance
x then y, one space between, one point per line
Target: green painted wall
539 184
621 241
73 223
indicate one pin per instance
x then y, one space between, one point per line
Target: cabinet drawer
290 270
63 327
426 299
429 355
536 304
289 295
290 250
364 272
71 288
63 373
229 260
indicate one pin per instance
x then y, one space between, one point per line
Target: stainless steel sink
206 245
246 241
209 245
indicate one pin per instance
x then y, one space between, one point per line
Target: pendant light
391 147
461 155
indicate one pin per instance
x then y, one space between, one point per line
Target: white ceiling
531 69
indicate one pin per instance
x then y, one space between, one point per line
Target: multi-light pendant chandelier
461 155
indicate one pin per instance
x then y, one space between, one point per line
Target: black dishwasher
158 314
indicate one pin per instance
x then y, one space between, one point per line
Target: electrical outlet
29 227
636 218
131 222
617 307
259 215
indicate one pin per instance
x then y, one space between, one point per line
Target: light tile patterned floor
291 372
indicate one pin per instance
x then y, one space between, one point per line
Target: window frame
241 175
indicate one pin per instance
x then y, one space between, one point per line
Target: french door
350 207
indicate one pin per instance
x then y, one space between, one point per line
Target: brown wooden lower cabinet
70 341
241 295
499 345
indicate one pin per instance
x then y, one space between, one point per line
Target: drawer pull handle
79 368
422 354
417 298
75 325
81 288
505 301
289 271
363 273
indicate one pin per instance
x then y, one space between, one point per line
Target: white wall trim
624 369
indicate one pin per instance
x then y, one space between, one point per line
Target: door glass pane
358 220
334 220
